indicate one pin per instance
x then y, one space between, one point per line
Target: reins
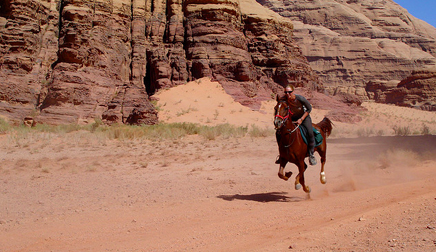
290 133
285 118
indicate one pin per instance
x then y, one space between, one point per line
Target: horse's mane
282 98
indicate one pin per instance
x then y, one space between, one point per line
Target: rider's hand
299 121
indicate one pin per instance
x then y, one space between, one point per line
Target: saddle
317 135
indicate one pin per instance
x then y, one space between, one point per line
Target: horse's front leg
281 173
299 180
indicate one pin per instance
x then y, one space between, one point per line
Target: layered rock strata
417 91
65 61
351 43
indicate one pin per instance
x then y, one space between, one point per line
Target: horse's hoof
288 174
322 178
307 189
297 186
283 177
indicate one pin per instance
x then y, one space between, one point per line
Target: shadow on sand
262 197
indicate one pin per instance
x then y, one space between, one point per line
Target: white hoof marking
297 186
322 177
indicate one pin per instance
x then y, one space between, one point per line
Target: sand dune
206 102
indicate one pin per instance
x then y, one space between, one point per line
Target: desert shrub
255 131
171 131
126 132
97 123
425 130
63 128
380 132
186 111
4 126
224 130
365 132
209 133
402 131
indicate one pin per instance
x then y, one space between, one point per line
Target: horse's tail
326 126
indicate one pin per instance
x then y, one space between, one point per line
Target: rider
304 120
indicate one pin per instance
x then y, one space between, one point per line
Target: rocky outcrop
64 61
91 77
352 43
73 61
28 46
416 91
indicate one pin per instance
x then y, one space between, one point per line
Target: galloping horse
292 147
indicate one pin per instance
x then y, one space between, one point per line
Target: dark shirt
306 105
299 106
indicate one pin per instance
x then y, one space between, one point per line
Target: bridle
284 119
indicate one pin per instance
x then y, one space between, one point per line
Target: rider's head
289 91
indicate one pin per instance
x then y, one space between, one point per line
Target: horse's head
281 113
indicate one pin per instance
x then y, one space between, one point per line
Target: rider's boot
312 159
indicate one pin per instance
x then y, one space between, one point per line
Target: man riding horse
301 109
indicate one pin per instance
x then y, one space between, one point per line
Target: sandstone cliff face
354 43
70 61
416 91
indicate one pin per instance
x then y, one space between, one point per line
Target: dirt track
221 195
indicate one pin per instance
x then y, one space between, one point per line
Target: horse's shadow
262 197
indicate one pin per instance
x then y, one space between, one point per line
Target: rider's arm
307 105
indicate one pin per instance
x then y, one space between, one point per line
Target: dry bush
4 126
224 130
255 131
401 130
425 130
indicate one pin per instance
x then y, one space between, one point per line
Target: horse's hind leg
322 153
322 173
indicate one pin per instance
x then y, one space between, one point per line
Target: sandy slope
81 192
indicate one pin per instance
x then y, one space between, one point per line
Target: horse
292 147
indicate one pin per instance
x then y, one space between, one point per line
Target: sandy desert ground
81 192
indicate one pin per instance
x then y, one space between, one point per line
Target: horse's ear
277 97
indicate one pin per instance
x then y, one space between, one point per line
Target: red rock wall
353 43
72 61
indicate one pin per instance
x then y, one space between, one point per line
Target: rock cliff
354 43
72 61
65 61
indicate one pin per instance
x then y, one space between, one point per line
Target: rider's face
289 93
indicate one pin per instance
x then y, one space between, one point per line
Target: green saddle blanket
316 133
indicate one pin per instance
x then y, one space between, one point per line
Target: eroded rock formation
354 43
68 61
65 61
416 91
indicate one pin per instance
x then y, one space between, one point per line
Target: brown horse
292 147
